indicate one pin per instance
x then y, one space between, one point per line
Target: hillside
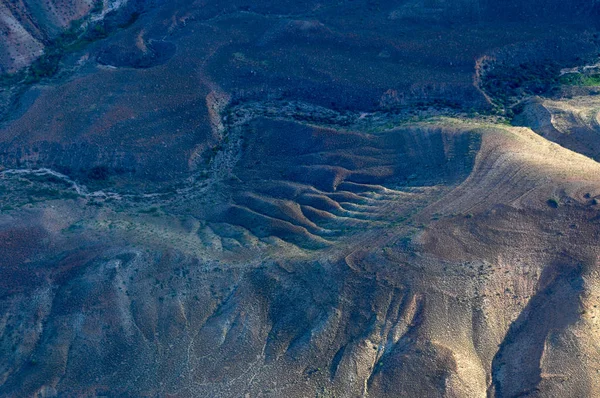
284 199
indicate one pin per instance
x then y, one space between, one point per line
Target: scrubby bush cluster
508 83
581 79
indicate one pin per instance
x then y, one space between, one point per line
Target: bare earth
299 199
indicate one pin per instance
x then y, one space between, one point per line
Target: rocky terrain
299 199
30 28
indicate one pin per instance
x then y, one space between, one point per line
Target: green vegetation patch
580 79
75 38
552 203
50 193
507 84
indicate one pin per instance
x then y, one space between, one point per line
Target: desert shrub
552 203
48 178
505 83
580 79
45 66
97 7
99 173
44 193
151 210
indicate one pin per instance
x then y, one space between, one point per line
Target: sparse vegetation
44 66
151 210
552 203
506 84
580 79
99 173
306 241
72 39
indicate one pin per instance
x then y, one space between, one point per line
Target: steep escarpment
27 28
572 123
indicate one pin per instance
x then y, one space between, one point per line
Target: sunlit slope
486 287
518 235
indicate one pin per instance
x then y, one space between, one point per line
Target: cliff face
27 27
